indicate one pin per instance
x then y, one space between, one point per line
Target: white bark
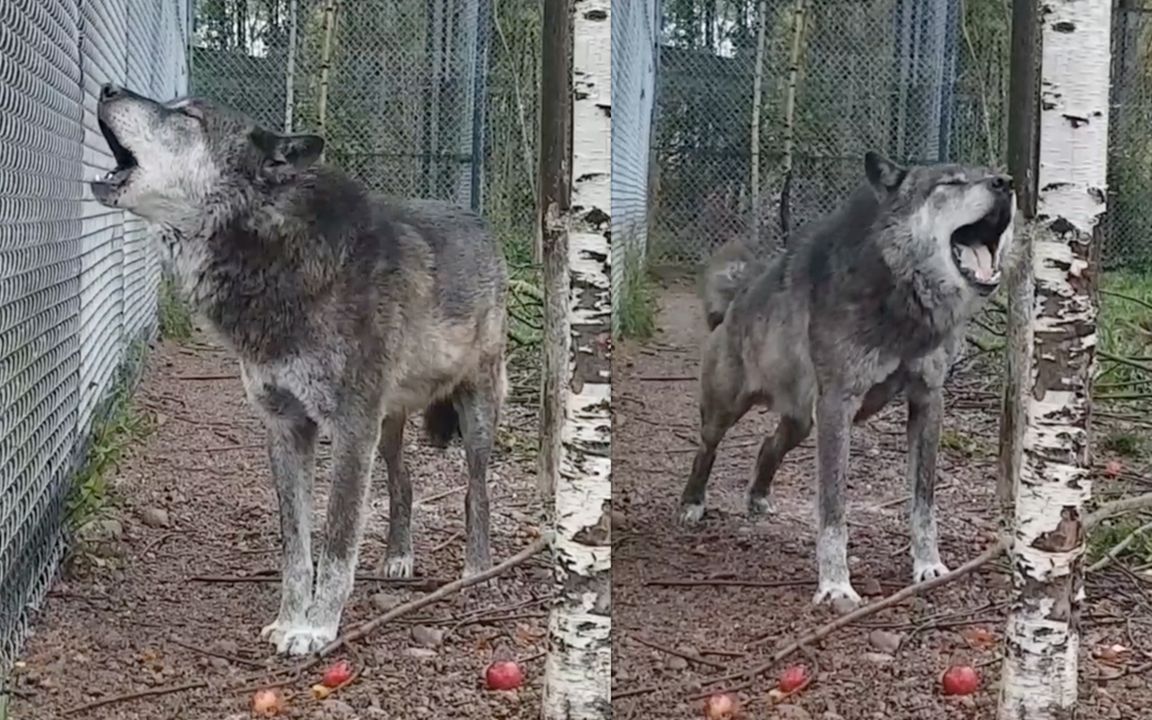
290 70
577 681
754 140
1042 638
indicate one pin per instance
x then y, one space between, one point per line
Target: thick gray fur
865 303
348 313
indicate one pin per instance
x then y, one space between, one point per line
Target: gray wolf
865 303
348 313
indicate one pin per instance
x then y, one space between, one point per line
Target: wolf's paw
297 639
927 570
839 594
759 507
474 567
397 567
691 514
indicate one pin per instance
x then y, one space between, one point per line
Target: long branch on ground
358 632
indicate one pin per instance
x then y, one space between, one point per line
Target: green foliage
114 430
1125 443
175 317
1125 328
1110 533
634 303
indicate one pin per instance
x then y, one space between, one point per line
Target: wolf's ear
882 173
299 151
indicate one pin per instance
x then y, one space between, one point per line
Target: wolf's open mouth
975 246
125 160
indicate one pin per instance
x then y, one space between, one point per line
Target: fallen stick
823 631
691 657
366 628
1119 547
416 584
151 692
1117 507
360 631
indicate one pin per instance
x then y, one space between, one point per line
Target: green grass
1125 330
112 433
175 317
635 302
1112 532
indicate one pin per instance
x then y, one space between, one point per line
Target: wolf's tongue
979 258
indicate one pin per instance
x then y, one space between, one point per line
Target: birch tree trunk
325 69
799 13
577 676
754 135
1042 638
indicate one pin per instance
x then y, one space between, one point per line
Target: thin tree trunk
799 16
290 69
1043 635
1023 134
757 98
326 66
577 676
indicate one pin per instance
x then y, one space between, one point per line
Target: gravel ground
193 499
730 592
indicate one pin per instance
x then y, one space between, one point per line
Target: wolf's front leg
353 451
291 451
835 409
925 416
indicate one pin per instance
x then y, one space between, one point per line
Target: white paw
691 514
760 506
297 639
399 567
837 593
927 570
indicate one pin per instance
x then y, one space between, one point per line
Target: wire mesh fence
764 109
433 99
77 281
635 24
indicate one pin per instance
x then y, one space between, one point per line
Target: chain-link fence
635 27
77 281
828 80
435 98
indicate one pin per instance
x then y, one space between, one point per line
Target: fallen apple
960 680
721 706
267 703
1113 468
793 679
337 674
321 691
503 675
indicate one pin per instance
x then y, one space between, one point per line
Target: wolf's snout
110 91
1001 183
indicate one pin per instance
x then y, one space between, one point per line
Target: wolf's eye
952 181
192 112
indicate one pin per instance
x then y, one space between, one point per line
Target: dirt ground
690 605
194 500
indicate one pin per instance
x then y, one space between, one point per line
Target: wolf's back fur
728 272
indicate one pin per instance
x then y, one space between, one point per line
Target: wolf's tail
729 270
441 422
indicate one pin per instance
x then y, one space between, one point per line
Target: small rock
218 663
885 641
384 602
332 709
792 712
428 637
869 587
878 658
843 606
155 517
676 663
226 647
420 653
967 701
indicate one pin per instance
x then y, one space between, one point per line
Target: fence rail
77 280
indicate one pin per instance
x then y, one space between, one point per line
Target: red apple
960 680
267 703
721 707
503 675
794 678
337 674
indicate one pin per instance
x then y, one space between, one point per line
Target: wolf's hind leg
925 416
291 453
354 440
399 559
790 432
716 418
478 405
